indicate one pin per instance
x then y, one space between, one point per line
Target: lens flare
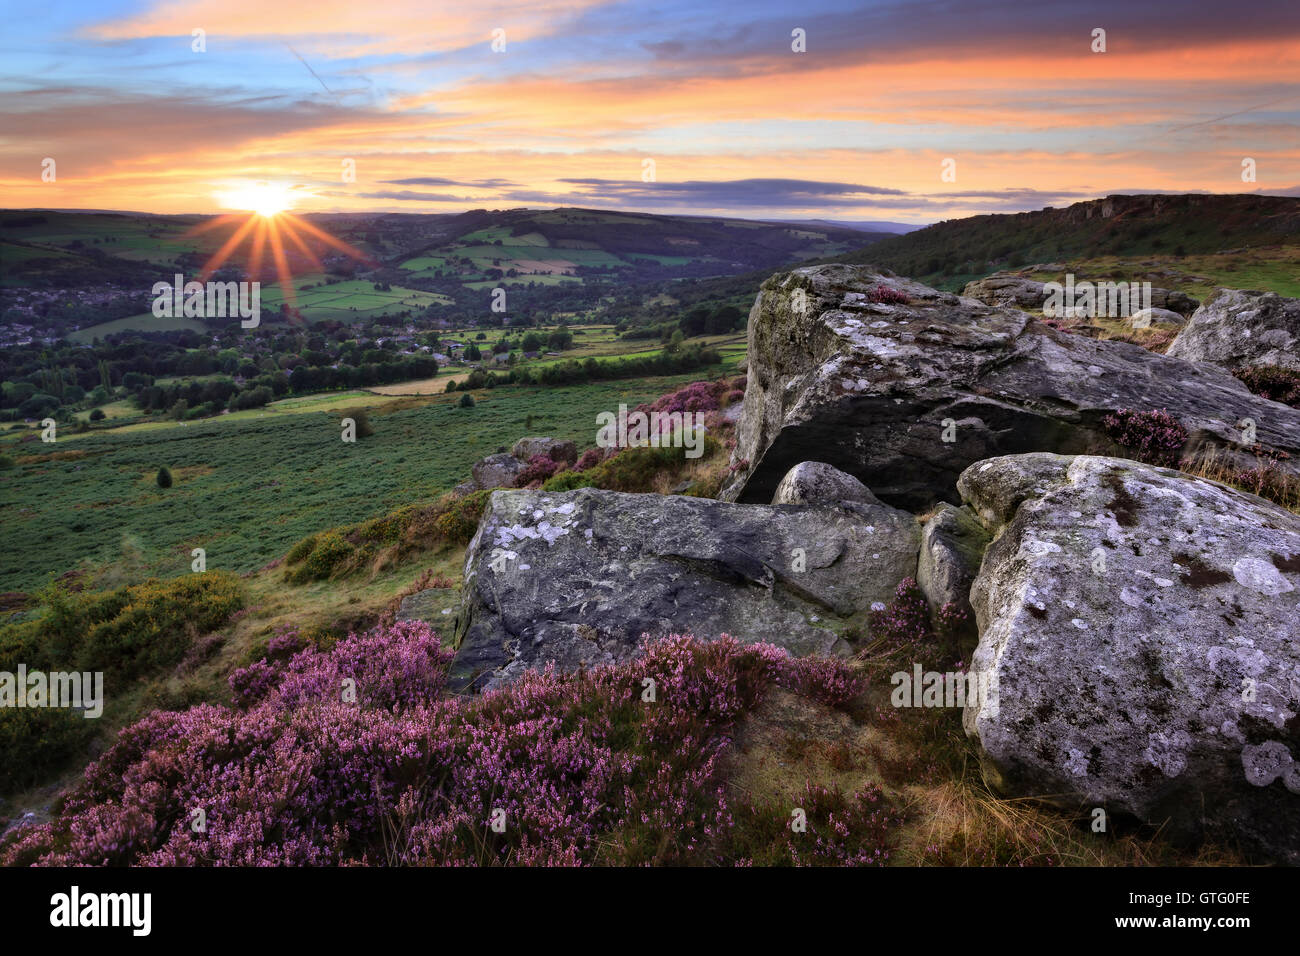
265 199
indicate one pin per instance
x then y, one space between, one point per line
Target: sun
265 199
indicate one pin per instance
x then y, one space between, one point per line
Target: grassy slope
950 253
251 484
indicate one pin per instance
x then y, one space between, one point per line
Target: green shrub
467 400
328 553
126 633
569 480
154 623
35 743
362 420
300 550
634 469
164 478
459 522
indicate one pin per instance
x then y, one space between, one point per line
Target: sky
905 111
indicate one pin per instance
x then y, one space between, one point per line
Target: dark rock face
1242 328
1138 628
952 547
576 578
905 396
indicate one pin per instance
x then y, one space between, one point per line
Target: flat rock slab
904 396
576 578
1142 632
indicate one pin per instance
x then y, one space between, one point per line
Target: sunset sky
585 91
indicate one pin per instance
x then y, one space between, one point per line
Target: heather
1272 382
588 768
887 295
644 468
1155 437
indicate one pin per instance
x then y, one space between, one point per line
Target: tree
164 478
97 415
362 420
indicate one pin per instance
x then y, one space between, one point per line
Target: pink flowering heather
584 769
887 295
1156 437
539 468
591 458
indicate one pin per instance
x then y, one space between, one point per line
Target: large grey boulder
496 471
1139 627
1007 289
555 449
1171 300
876 389
576 578
817 483
1017 290
1237 328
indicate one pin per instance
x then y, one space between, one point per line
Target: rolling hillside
949 253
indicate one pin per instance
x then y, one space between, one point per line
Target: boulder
905 396
577 578
1007 289
1242 328
1172 300
1145 318
552 448
817 483
1017 290
1138 632
496 471
952 545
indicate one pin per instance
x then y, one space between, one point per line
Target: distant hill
862 225
1122 225
92 271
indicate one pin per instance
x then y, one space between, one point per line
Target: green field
345 301
249 485
137 323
